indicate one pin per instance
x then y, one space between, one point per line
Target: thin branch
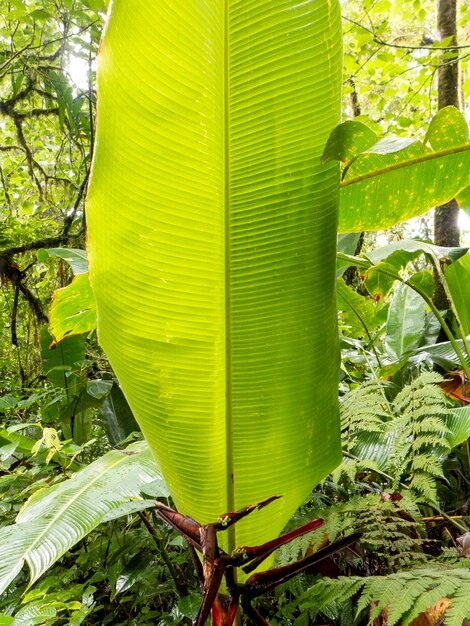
55 54
29 155
382 42
69 219
49 242
14 317
14 56
5 188
37 112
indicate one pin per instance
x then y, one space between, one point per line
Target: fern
404 595
460 606
403 437
418 430
434 594
365 409
389 530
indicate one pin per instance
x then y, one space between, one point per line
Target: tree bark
352 274
448 73
446 227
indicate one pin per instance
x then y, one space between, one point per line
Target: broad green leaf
24 443
99 389
55 519
443 354
447 128
81 424
75 257
62 358
137 568
389 145
423 281
35 614
347 141
73 309
381 190
347 243
8 402
458 280
402 252
116 416
212 239
458 423
133 506
96 5
379 279
189 605
358 312
432 327
405 322
398 255
40 14
156 489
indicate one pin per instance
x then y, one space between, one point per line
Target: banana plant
211 246
212 217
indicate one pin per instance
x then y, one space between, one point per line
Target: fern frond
389 590
395 538
425 487
431 465
460 605
408 594
404 595
428 599
410 432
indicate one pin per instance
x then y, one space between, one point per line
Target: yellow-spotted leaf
211 244
447 128
381 190
397 179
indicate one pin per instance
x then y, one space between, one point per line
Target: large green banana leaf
212 234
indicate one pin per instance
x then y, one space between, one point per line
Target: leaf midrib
229 448
404 164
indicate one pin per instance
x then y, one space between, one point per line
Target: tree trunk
448 74
351 275
446 227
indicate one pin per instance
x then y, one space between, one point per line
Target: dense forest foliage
77 481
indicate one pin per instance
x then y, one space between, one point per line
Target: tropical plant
233 265
234 273
404 433
212 226
54 519
400 597
231 288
